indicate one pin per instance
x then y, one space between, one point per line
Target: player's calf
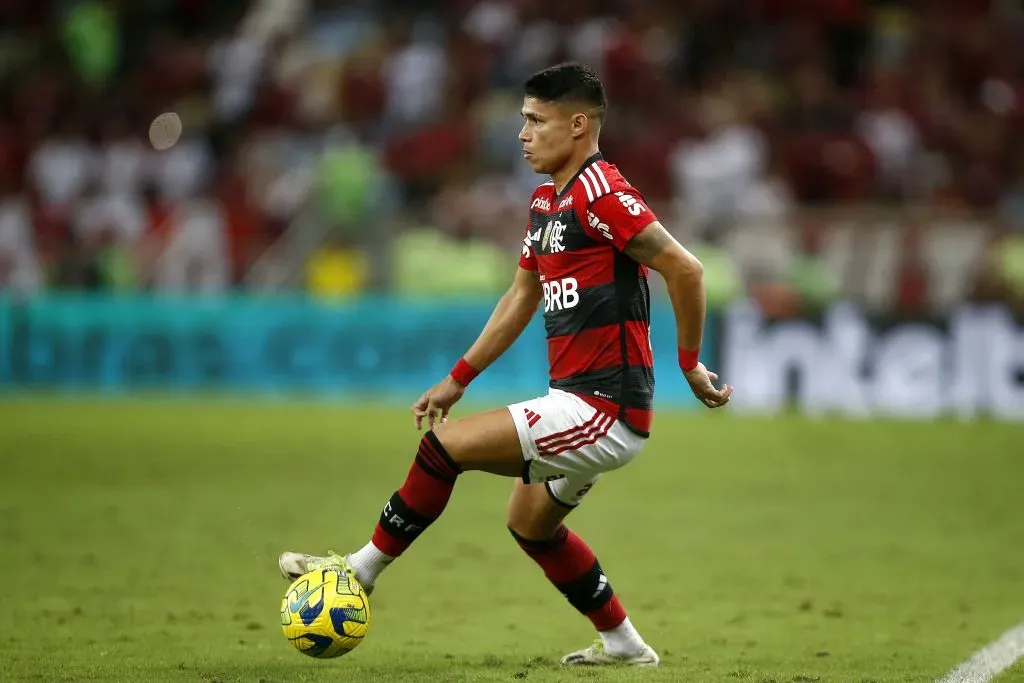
534 513
575 571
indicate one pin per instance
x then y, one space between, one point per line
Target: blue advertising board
380 346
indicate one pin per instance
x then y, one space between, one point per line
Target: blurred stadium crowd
806 149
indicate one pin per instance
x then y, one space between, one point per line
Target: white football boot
294 565
596 656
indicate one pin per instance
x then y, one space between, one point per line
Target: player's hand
436 402
700 379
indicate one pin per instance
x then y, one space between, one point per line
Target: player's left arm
623 218
683 272
655 248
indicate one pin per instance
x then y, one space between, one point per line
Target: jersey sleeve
527 259
619 216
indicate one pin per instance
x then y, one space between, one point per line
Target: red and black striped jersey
596 298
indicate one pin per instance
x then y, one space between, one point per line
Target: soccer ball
325 613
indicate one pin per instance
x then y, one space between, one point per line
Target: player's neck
562 176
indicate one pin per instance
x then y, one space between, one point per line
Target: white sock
624 639
369 562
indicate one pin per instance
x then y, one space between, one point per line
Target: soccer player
590 240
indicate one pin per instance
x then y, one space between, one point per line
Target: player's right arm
513 313
510 317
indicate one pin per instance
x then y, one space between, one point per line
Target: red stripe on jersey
591 266
638 344
597 349
637 418
588 350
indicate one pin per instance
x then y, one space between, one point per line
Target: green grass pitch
139 543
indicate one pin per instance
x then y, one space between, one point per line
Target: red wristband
464 373
688 359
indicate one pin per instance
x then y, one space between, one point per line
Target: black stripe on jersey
574 237
633 302
641 387
640 308
596 308
630 389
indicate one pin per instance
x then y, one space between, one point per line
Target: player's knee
449 439
434 455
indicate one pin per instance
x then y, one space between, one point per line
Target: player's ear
580 124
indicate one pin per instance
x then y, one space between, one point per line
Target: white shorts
567 444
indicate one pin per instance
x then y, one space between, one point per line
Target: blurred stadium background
345 204
811 153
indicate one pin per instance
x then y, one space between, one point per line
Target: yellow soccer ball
325 613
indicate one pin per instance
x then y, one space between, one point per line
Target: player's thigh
533 513
487 442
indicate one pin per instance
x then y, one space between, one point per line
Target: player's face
547 135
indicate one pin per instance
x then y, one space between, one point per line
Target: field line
991 660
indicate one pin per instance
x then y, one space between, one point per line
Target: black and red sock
420 500
574 570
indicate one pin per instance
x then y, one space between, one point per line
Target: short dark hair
568 82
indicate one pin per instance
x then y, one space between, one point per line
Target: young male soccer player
589 243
